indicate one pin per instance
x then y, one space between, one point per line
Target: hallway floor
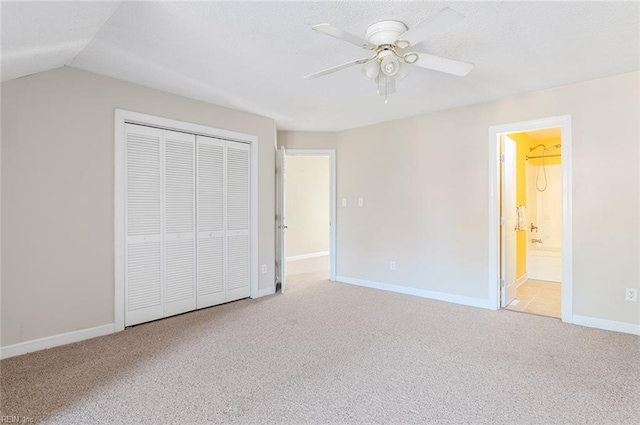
318 265
538 297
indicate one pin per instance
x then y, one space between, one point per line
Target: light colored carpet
329 353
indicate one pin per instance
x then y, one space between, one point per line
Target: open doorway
306 216
533 209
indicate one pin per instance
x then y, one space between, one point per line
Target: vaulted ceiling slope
252 56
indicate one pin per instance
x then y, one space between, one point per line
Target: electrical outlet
264 268
344 202
631 294
392 265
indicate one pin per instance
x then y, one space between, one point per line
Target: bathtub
544 263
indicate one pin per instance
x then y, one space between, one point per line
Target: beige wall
307 140
308 214
426 189
58 188
424 181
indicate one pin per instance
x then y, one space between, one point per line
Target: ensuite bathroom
539 231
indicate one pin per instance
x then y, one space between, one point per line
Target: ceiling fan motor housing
385 32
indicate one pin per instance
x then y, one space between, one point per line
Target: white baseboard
306 256
54 341
266 291
440 296
546 278
608 325
522 279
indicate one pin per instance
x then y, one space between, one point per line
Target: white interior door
143 225
211 191
509 212
282 219
180 222
237 220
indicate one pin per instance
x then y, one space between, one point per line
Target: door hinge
502 157
501 221
502 283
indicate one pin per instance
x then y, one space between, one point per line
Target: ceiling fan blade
344 36
336 68
441 64
433 25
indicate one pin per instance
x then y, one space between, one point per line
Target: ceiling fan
390 42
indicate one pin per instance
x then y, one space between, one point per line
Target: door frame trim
121 118
331 153
564 122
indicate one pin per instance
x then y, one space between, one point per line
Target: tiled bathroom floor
538 297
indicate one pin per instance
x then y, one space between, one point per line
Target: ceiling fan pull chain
386 86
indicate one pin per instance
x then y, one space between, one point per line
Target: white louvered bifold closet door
223 221
186 221
143 224
211 235
180 225
237 215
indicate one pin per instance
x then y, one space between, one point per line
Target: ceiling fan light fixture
371 70
386 86
389 65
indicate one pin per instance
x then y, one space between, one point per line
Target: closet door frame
123 117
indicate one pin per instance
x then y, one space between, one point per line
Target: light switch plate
360 202
264 268
344 202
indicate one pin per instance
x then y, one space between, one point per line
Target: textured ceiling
39 36
252 55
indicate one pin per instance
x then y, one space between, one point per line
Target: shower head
558 146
